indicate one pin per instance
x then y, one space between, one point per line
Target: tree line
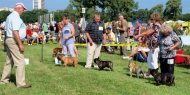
109 10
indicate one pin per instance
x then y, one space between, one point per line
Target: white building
7 9
38 4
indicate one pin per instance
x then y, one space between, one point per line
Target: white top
14 22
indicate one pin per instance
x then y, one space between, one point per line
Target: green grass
50 79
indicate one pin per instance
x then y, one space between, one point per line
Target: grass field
50 79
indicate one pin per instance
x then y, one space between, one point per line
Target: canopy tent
180 21
169 21
134 22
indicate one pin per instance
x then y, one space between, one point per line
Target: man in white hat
16 31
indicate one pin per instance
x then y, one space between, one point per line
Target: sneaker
147 76
28 44
127 57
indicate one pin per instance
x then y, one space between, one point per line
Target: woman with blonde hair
168 41
152 35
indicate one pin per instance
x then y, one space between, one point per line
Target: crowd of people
159 37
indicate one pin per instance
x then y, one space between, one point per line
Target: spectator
28 35
34 36
1 30
110 39
45 28
41 35
143 49
3 27
138 28
149 25
52 30
16 30
77 30
123 34
168 41
57 32
96 34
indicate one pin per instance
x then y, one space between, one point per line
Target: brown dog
135 69
56 50
68 60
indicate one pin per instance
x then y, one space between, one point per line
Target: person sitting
34 35
40 36
140 49
28 35
110 40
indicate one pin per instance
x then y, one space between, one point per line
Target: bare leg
135 51
144 54
76 51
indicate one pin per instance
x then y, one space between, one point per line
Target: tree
185 17
3 15
32 16
173 9
157 9
142 14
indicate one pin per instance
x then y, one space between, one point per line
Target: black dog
103 64
162 78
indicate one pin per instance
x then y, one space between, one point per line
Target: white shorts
145 49
153 59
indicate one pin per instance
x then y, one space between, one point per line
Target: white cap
20 5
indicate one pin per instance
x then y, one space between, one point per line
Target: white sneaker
145 75
125 57
28 44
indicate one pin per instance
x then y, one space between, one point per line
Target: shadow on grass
187 72
82 63
183 65
13 78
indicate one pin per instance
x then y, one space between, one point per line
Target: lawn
50 79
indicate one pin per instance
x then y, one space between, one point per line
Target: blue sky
53 5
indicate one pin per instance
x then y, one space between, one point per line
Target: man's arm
17 38
88 36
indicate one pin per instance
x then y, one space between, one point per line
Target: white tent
180 21
169 21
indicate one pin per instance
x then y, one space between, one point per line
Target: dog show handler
96 34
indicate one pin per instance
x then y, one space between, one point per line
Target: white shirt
14 22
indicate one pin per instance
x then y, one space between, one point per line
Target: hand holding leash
171 49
